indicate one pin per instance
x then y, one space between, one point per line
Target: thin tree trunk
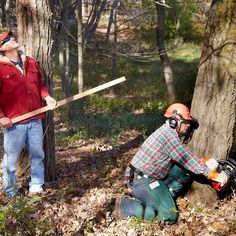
98 8
113 66
85 9
64 65
80 48
64 53
8 21
3 13
177 30
7 12
168 74
111 18
80 59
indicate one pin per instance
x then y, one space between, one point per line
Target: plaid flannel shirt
161 150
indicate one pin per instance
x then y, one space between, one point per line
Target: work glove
211 163
221 177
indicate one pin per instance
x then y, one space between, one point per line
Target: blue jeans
30 134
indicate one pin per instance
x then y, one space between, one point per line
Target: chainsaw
229 168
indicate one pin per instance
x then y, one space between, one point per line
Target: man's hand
5 122
51 102
212 164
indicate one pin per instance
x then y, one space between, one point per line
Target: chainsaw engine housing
229 168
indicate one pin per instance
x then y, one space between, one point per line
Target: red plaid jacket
161 150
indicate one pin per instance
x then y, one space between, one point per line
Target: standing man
21 91
163 168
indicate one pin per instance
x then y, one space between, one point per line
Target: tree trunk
214 103
94 18
111 19
168 74
114 58
80 103
8 16
64 53
3 13
85 9
7 13
80 47
34 34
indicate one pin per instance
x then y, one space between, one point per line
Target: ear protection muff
173 122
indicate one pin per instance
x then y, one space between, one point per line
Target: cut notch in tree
70 99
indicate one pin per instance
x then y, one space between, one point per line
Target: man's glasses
5 40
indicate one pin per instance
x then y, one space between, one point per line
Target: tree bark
114 48
7 13
111 19
94 18
168 74
3 13
34 34
80 103
214 103
80 48
64 52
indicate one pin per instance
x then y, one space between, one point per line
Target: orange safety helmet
178 109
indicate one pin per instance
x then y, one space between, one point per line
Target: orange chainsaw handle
205 159
216 185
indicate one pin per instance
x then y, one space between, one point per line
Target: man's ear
1 50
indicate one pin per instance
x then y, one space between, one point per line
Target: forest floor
90 175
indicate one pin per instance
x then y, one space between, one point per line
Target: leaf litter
90 175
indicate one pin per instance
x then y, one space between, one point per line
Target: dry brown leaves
90 176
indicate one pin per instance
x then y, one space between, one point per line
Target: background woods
175 50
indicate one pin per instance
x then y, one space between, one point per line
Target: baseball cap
4 35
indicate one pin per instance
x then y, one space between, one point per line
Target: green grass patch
234 224
139 102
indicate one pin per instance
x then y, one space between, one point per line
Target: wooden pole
70 99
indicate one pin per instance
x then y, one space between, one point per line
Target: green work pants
155 198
